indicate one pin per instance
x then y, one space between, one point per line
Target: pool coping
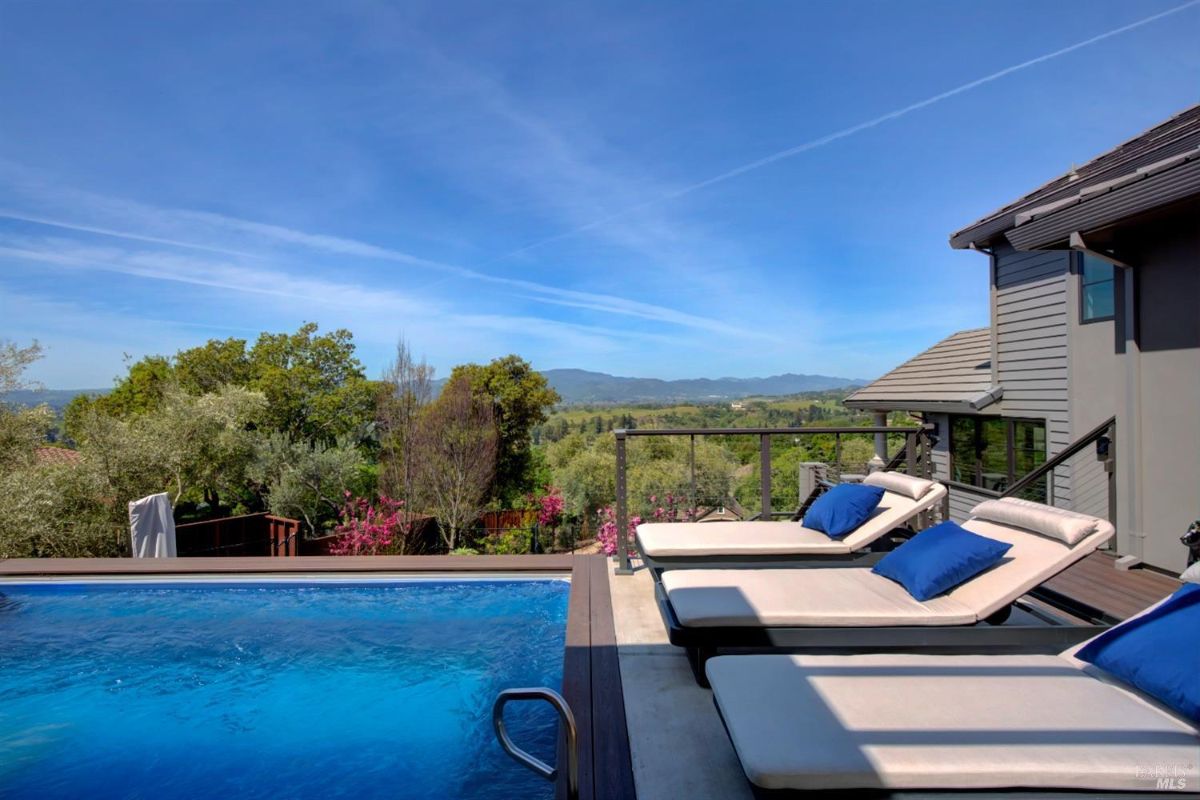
266 564
591 671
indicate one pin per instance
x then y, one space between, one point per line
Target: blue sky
579 183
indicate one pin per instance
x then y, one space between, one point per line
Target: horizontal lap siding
962 501
1031 338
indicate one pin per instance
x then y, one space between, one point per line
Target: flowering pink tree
672 509
550 508
367 528
607 533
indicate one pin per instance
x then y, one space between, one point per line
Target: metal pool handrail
523 758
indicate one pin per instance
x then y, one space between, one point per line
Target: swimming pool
298 688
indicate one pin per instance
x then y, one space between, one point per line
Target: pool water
321 690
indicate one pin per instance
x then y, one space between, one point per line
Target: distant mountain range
579 386
57 399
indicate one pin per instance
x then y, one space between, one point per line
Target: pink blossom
367 529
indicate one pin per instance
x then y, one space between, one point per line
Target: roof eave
1156 192
970 405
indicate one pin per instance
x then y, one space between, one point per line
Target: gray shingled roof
1170 138
953 375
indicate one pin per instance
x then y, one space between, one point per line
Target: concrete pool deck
678 745
676 740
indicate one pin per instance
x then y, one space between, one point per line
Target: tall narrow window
1097 285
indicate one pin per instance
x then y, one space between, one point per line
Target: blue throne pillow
842 509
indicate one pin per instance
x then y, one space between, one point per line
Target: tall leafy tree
316 389
141 390
210 366
455 448
308 480
407 388
520 398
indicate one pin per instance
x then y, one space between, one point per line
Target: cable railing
1077 478
913 455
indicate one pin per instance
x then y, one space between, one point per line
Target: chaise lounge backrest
1045 541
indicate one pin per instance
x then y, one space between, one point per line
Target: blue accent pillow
1159 652
939 558
842 509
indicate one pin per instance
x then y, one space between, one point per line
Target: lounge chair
883 723
852 609
707 545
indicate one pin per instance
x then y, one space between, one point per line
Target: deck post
764 460
910 454
925 518
881 421
623 567
692 499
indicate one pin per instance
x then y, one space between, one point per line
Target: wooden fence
508 519
247 535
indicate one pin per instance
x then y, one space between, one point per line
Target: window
1096 294
993 452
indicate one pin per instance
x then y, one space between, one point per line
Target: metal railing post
764 460
925 518
692 499
623 567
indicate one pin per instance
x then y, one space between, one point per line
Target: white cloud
209 232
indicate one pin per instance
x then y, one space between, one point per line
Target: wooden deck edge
613 773
33 567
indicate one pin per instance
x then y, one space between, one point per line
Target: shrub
369 529
607 533
512 542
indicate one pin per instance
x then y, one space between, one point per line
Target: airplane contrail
853 129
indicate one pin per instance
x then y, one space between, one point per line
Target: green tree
139 391
520 398
206 442
56 510
455 455
407 388
22 430
316 389
210 366
308 480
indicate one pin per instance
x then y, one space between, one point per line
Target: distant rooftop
954 375
1173 143
57 455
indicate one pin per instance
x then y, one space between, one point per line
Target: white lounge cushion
700 539
1068 526
1032 560
942 722
1191 574
849 597
898 482
758 538
857 597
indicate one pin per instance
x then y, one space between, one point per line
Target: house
728 511
1095 315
